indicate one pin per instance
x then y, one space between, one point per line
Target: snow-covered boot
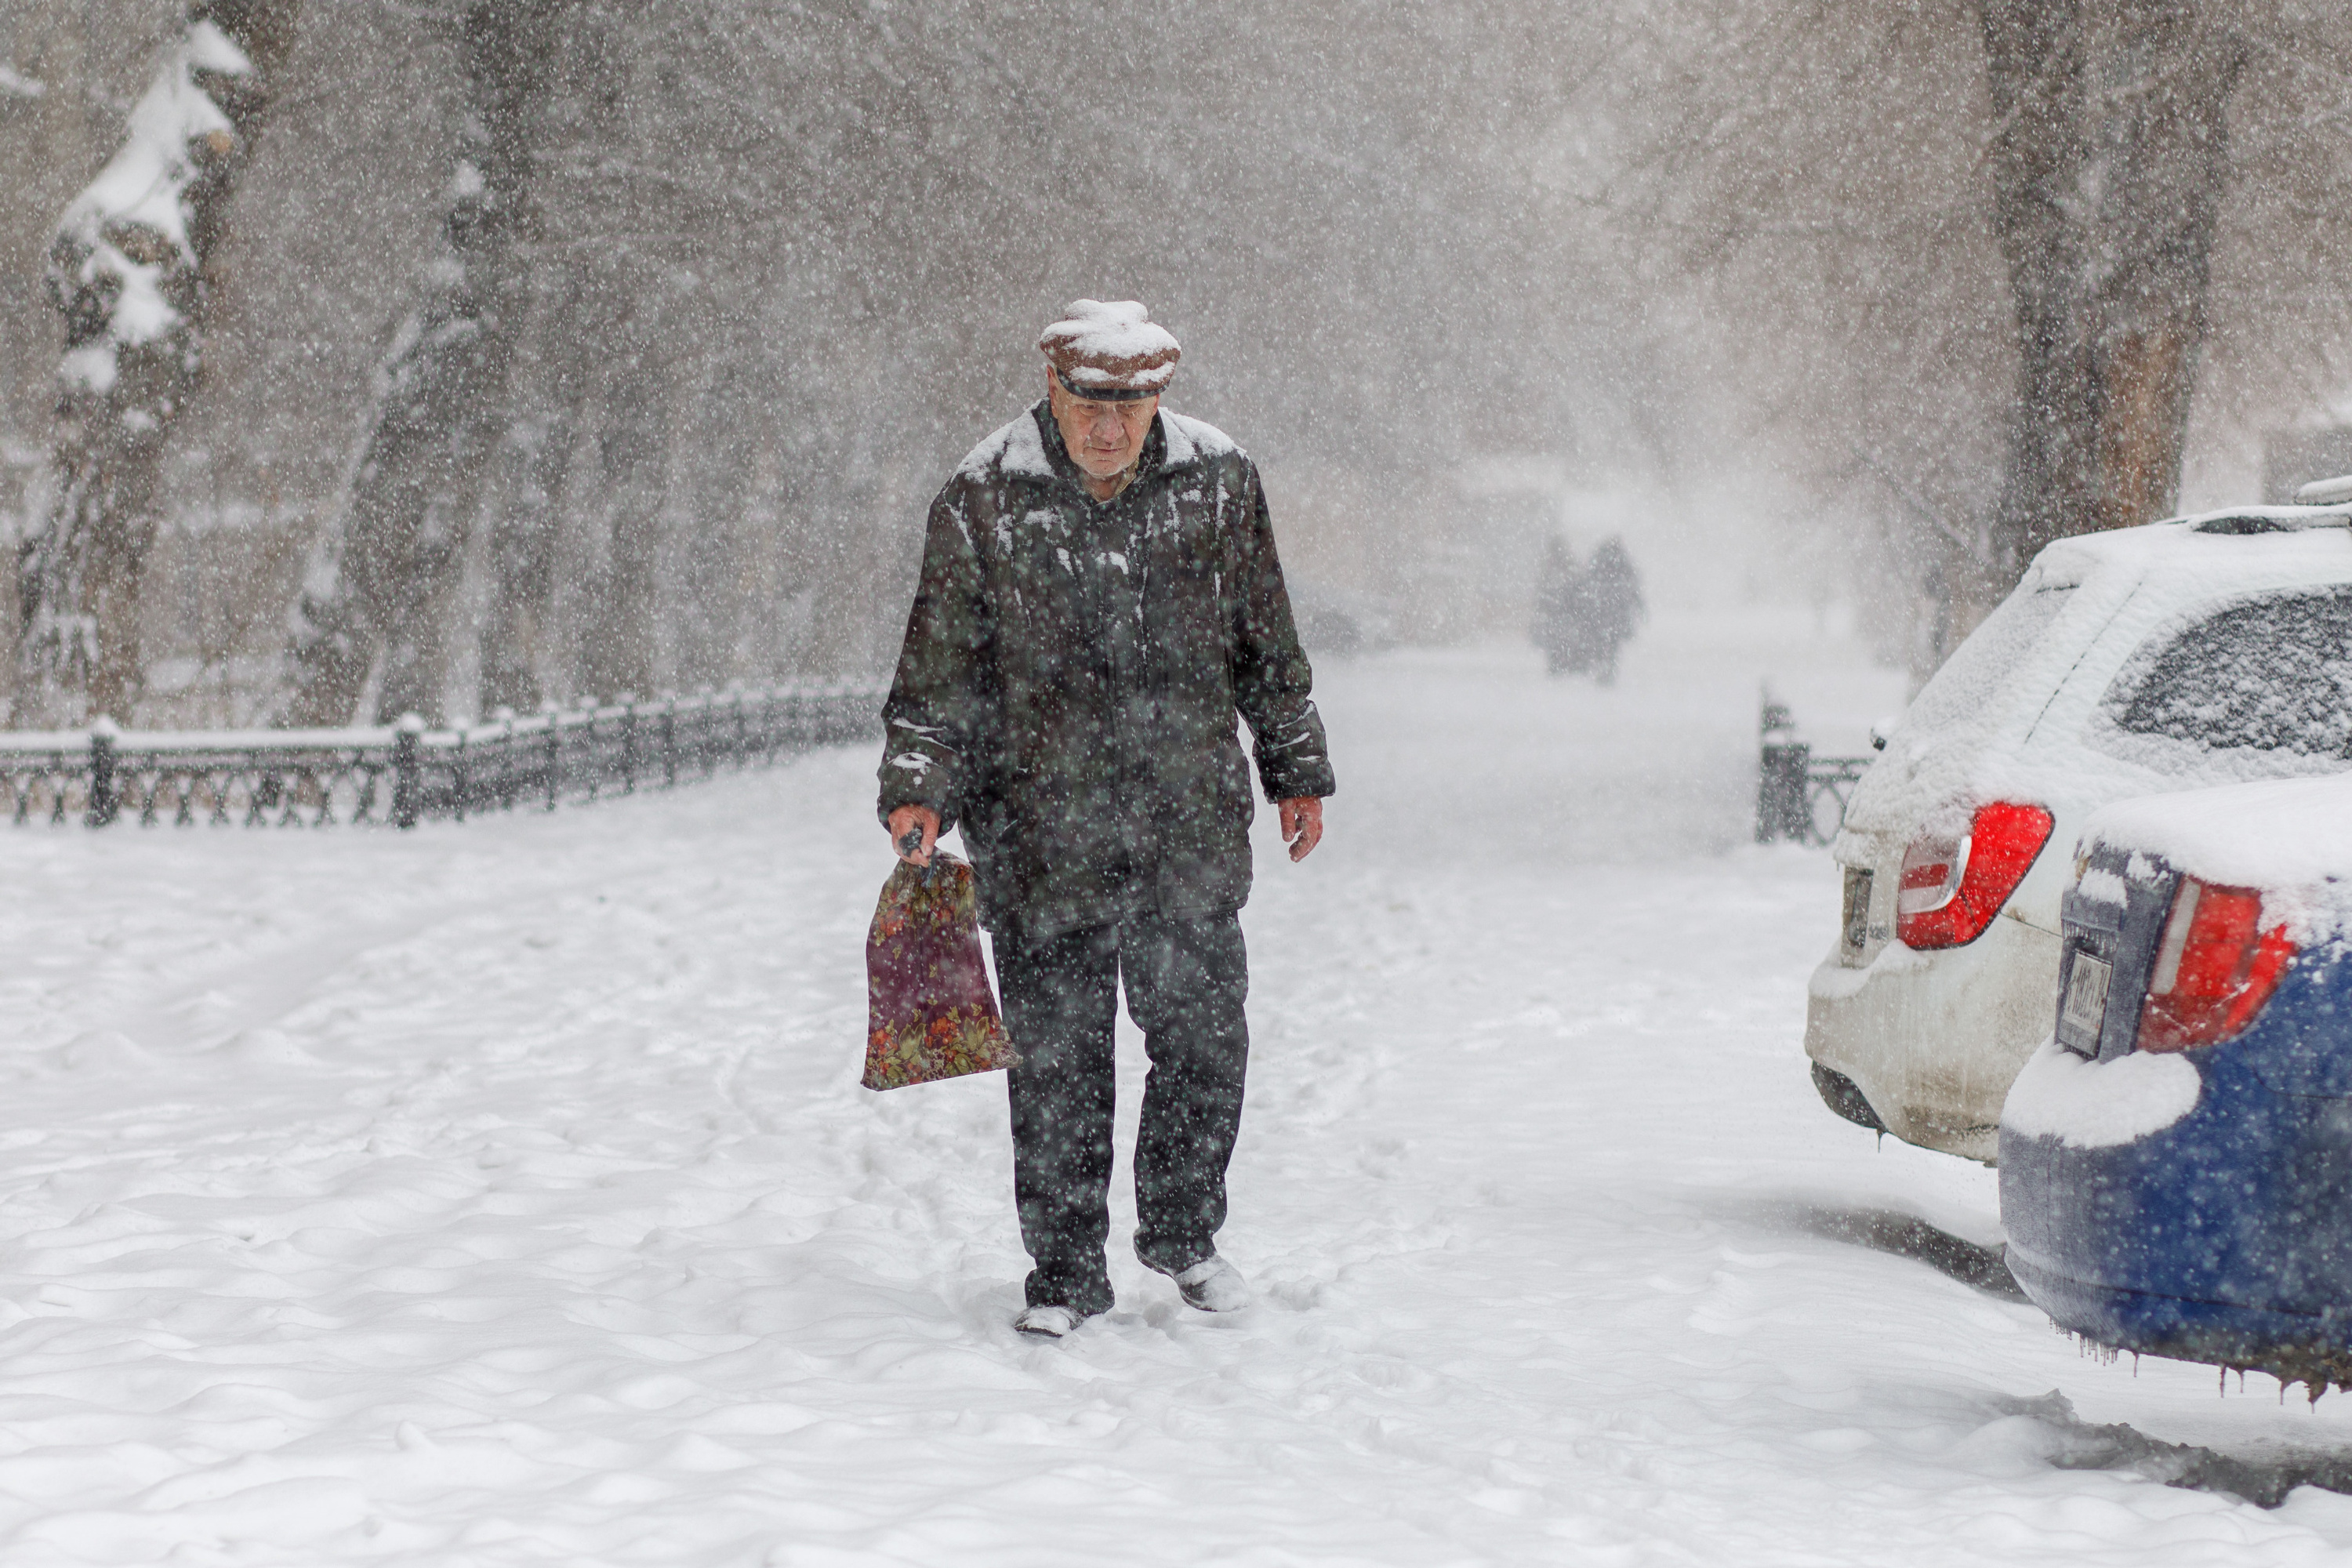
1212 1285
1049 1321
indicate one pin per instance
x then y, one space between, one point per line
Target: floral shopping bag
930 1011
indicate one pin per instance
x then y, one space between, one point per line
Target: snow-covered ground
501 1193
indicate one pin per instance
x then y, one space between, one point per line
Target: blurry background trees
1989 271
567 347
379 601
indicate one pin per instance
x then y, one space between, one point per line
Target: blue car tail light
2215 967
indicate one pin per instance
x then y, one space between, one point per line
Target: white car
2199 651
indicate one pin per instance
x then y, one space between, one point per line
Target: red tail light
2215 967
1952 888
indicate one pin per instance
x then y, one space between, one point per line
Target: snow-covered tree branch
131 267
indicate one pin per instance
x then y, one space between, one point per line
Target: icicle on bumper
931 1012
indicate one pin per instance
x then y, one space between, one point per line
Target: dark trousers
1186 980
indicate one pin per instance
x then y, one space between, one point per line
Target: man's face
1104 439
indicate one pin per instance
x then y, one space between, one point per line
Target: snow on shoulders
2274 833
1015 448
1190 439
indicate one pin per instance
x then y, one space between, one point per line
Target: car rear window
1969 681
2270 675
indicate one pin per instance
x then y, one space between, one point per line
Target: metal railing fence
403 774
1799 796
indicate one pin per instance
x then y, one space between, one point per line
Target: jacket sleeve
1270 675
932 714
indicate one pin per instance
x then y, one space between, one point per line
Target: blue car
2176 1162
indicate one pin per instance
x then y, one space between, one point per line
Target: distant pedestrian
1613 599
1099 597
1558 628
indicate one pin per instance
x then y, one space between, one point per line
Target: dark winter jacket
1071 674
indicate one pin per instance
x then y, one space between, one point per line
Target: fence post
505 719
105 789
461 775
670 740
407 787
772 725
595 768
629 742
1781 809
554 754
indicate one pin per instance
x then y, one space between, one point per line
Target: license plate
2086 1006
1856 927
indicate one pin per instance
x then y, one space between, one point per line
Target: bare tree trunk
2108 160
135 264
378 600
717 558
617 632
518 634
2161 160
2035 67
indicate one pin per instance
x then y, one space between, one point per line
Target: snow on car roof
2005 717
2336 515
2247 533
2276 834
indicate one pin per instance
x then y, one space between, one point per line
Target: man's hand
1302 825
922 820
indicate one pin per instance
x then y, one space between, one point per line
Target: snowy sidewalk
501 1194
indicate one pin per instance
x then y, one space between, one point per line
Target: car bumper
1934 1039
2226 1236
2296 1347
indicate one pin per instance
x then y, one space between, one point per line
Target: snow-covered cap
1115 351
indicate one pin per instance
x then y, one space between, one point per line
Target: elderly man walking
1099 598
